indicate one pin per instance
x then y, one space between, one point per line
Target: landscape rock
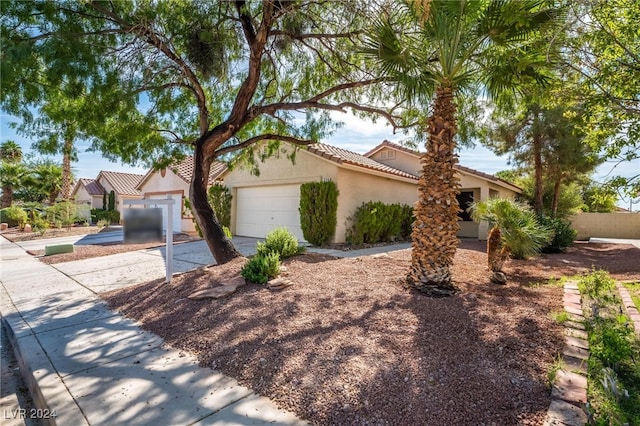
279 283
212 293
236 281
27 228
380 255
4 226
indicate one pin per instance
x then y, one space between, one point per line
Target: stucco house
174 181
91 191
387 173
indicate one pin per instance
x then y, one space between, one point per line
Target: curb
569 390
53 402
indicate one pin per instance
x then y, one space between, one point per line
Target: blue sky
356 135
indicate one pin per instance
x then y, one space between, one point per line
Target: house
88 192
175 181
92 190
387 173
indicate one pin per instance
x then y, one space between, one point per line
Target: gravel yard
348 344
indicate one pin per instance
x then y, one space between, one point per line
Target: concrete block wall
606 225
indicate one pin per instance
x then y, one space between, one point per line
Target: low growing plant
279 241
261 268
596 283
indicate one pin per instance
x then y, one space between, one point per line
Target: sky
356 135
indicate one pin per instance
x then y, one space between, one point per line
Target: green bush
375 221
220 200
261 268
318 211
596 283
112 201
279 241
13 216
563 234
63 213
111 216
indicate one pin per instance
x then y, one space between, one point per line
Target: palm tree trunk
434 240
65 192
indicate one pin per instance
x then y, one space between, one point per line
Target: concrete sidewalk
87 365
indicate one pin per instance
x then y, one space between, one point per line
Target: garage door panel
261 209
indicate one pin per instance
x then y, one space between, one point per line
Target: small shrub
560 317
318 211
563 234
102 223
596 283
220 200
279 241
261 268
63 213
375 221
227 232
13 216
111 216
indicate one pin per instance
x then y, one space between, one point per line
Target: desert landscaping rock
213 293
235 281
498 278
279 283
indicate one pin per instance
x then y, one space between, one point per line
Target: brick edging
629 307
569 390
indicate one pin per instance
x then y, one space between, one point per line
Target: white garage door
177 211
261 209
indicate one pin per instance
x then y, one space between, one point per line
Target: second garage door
261 209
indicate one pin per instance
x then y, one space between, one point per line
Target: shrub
261 268
13 216
102 223
563 234
64 213
220 200
111 216
375 221
318 211
279 241
112 201
596 283
227 232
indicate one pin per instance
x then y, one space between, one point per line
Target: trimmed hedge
318 211
375 221
111 216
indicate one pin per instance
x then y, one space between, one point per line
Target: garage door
177 211
261 209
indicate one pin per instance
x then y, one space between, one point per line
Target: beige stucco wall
356 188
279 171
399 160
170 183
606 225
82 197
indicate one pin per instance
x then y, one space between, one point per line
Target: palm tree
11 152
515 232
433 51
11 177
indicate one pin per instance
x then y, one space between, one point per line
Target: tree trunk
434 240
7 197
556 195
537 164
65 192
221 248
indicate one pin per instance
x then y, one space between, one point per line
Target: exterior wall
279 171
82 196
356 188
606 225
399 160
172 184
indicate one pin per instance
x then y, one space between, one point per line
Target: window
465 199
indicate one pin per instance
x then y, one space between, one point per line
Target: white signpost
168 202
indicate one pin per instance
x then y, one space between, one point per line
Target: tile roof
388 144
123 183
184 170
92 186
342 156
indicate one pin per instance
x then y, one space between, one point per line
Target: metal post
169 239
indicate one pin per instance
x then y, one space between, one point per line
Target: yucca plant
515 232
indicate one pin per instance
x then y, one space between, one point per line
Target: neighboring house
388 173
174 181
88 192
122 184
